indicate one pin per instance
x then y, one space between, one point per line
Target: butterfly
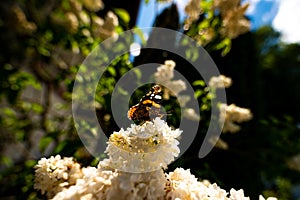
149 106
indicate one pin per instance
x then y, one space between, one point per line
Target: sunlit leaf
141 35
199 83
123 14
112 71
198 93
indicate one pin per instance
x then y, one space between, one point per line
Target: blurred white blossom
22 25
93 5
191 114
235 23
183 99
164 76
165 72
105 28
193 11
231 115
225 5
218 142
233 17
269 198
294 162
220 81
205 36
71 22
53 174
75 5
238 194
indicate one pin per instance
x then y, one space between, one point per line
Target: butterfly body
148 107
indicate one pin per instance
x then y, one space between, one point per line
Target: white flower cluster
269 198
225 5
183 185
234 21
22 25
65 179
164 76
190 113
232 14
78 15
220 81
53 174
93 183
232 114
143 148
92 5
294 162
105 28
193 10
129 186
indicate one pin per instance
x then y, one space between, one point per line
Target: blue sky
283 15
262 12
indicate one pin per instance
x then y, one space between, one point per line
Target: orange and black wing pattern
148 107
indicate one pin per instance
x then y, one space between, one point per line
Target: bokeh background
43 44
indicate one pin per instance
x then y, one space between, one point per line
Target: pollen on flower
103 182
145 147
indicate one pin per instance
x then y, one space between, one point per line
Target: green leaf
138 73
204 24
141 35
225 45
198 93
123 14
9 112
199 83
30 163
204 107
122 91
60 147
112 71
6 161
43 51
37 108
44 143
